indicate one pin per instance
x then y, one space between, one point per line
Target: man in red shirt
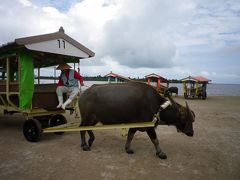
68 83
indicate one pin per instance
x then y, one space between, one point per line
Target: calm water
212 89
216 89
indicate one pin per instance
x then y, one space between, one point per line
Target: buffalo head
184 118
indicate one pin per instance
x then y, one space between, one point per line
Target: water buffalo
129 103
173 90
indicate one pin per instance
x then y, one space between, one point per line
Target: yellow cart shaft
71 127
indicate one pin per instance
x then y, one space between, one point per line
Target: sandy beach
213 152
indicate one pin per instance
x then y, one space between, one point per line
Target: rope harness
156 117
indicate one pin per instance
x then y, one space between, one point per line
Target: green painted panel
27 79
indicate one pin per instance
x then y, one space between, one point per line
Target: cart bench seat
45 96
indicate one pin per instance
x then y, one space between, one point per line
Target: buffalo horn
189 112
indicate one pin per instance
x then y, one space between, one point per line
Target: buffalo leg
91 138
84 145
130 136
153 136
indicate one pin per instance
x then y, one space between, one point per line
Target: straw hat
63 66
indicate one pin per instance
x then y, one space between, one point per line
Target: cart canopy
37 52
199 79
49 49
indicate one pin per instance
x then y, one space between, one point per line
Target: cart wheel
32 130
56 120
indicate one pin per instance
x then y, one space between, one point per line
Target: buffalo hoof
129 151
86 148
90 143
161 155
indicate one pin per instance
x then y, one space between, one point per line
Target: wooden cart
195 87
22 92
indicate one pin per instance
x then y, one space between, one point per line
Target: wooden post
158 84
79 66
196 88
7 79
38 75
184 87
54 75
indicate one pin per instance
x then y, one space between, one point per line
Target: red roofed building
113 77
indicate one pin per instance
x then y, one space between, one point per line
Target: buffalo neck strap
165 105
156 117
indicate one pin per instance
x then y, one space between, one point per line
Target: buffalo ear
189 112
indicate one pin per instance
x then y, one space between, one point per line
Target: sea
215 89
212 88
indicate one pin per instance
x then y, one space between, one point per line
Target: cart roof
200 79
154 76
111 74
57 44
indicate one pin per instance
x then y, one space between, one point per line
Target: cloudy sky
172 38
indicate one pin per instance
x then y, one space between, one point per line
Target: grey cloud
19 21
138 42
138 49
139 38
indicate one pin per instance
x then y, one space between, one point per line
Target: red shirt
76 76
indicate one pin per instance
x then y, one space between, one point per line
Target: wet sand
213 152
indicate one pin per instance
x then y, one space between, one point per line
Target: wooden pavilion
195 86
161 83
113 77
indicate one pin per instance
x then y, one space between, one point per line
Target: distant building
113 77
